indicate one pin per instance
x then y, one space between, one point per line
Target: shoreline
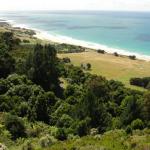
89 45
43 35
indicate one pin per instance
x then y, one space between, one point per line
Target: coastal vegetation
91 112
141 82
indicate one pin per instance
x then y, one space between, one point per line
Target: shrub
72 137
47 141
26 41
27 146
82 127
61 135
86 66
116 123
53 131
23 109
142 82
15 126
65 121
101 51
71 100
137 124
116 54
66 60
128 129
133 57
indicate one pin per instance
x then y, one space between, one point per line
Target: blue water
122 30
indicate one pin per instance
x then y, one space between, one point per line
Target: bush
116 54
65 121
128 129
27 146
47 141
101 51
61 135
26 41
137 124
133 57
142 82
116 123
72 137
66 60
15 126
86 66
82 127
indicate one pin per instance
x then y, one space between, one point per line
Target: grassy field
118 68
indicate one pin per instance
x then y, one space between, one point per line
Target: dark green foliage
3 86
101 51
131 109
142 82
26 99
20 66
7 64
23 109
98 86
76 75
89 66
16 126
5 103
133 57
88 102
95 109
41 68
116 54
9 41
61 135
128 129
39 108
26 41
83 127
65 121
146 107
66 60
137 124
86 66
66 48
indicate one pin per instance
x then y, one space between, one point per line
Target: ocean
124 32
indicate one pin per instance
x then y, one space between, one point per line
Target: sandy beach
43 35
68 40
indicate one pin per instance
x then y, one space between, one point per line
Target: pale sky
134 5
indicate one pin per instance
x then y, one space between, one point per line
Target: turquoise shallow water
122 30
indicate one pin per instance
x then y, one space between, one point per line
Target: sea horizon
65 27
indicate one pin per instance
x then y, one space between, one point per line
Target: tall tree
131 109
9 40
41 67
7 64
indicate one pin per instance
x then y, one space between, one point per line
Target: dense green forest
37 111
